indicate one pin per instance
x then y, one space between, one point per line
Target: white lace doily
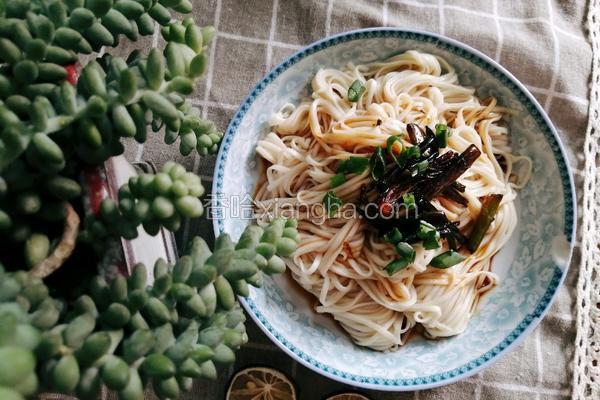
586 366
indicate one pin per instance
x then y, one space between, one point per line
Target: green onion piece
393 236
447 259
407 154
406 251
489 208
409 200
420 167
407 256
429 235
396 265
337 180
390 145
353 165
411 152
356 90
331 203
390 142
442 133
377 163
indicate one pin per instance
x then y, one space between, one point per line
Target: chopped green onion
391 140
353 165
396 265
356 90
420 167
377 163
331 203
407 154
429 235
409 200
337 180
431 243
390 146
406 251
447 259
407 256
442 133
411 152
425 227
393 236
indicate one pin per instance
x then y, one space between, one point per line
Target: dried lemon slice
260 384
348 396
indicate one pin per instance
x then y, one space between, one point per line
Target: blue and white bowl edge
530 254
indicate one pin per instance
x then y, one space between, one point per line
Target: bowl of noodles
434 206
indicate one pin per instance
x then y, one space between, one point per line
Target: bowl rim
530 322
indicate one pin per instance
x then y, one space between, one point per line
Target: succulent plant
57 119
126 333
151 200
52 125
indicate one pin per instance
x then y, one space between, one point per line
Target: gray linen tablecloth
543 43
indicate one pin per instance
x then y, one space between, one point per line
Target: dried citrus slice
348 396
260 384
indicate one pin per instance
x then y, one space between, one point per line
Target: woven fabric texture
543 43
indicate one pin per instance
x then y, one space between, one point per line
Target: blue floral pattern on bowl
531 266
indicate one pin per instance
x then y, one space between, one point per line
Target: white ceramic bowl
531 266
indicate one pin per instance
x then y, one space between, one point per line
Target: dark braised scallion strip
440 173
428 145
452 193
459 186
457 166
415 133
405 162
424 139
407 179
489 208
447 230
447 259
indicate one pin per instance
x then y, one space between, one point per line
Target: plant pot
104 182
